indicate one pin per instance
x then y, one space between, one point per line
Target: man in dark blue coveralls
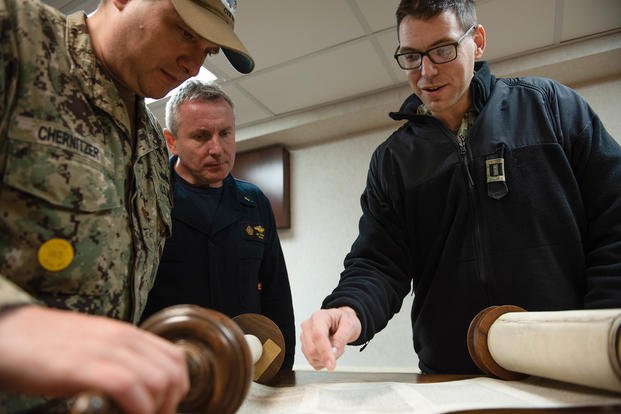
224 252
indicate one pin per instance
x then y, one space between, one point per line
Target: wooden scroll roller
219 358
267 345
578 346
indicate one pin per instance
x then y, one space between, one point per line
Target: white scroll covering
255 346
433 398
580 347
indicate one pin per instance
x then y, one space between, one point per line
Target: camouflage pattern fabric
84 202
462 132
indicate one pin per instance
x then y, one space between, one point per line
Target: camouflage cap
214 20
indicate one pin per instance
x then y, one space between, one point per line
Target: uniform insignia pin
55 254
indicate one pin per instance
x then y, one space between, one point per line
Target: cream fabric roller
581 346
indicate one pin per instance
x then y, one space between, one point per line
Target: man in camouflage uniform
85 194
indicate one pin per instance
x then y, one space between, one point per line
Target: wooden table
293 378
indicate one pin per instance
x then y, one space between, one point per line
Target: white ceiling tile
310 53
379 14
388 43
276 31
159 110
514 27
220 66
336 74
582 18
246 110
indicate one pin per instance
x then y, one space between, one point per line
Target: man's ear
479 41
170 140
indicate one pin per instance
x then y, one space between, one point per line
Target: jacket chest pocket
251 252
252 243
60 190
62 169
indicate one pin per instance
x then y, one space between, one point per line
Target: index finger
325 324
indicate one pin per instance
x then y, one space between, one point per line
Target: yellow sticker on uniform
55 254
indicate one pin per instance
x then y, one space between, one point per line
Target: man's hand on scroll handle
60 353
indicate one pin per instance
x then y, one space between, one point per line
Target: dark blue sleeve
276 302
596 161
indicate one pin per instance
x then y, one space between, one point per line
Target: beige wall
604 97
326 181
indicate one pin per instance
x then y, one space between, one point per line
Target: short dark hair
465 10
192 90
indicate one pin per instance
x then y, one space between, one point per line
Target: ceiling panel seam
374 42
558 21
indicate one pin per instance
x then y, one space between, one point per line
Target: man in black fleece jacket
495 191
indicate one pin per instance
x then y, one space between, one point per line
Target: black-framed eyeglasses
439 54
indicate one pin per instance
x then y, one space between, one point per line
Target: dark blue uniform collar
230 209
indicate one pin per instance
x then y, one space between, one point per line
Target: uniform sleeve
276 302
10 294
376 276
596 160
8 71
